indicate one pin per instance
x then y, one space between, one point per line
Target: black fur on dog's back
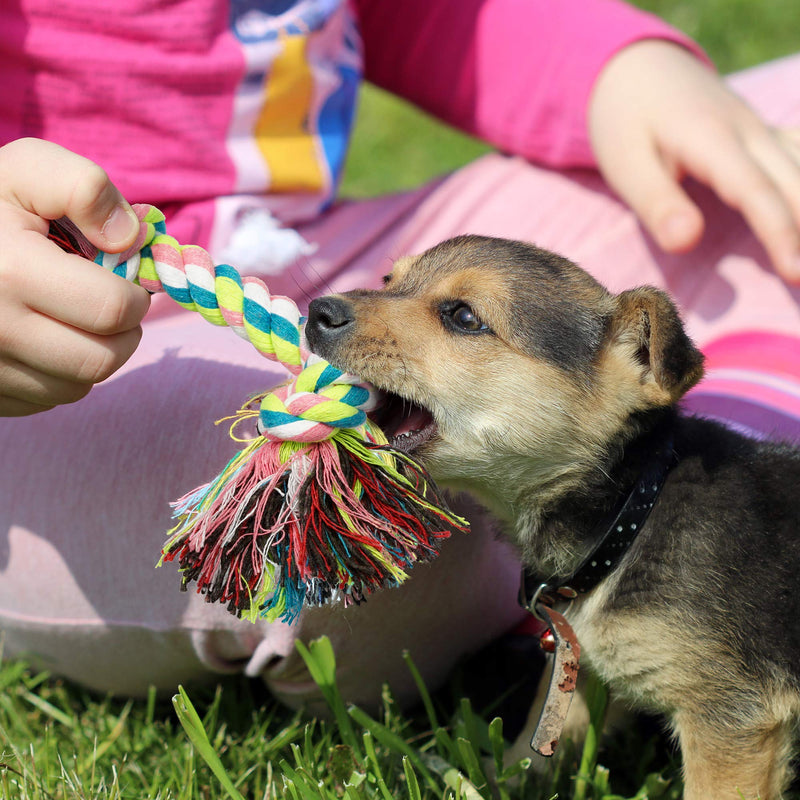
724 545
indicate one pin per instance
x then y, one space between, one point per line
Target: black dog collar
614 534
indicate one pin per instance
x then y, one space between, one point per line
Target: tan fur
720 767
519 430
530 407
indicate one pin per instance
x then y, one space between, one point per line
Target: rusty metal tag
562 682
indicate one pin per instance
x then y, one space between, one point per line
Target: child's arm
520 73
657 114
517 73
65 323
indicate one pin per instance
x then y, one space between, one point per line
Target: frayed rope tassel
287 524
317 508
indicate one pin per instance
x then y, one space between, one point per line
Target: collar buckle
545 594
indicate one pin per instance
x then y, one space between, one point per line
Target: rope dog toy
317 507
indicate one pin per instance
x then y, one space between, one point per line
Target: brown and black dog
528 384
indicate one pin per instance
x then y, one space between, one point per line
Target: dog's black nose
328 319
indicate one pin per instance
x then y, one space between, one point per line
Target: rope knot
317 403
311 408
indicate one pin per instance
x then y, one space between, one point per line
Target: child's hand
658 114
65 323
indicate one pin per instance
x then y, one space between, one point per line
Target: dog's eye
463 319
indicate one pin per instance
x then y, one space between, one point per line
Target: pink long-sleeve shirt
197 105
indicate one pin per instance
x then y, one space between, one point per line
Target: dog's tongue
406 425
413 431
417 419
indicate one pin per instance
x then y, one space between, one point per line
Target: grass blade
469 758
596 700
321 663
424 694
295 780
454 778
48 708
196 732
411 780
104 747
372 758
391 740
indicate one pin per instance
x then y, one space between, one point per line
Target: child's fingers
761 190
784 172
60 351
658 114
790 139
66 323
47 364
14 407
75 291
765 189
779 157
52 182
652 190
27 390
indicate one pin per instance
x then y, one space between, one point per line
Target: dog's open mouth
407 425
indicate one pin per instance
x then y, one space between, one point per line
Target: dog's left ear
647 320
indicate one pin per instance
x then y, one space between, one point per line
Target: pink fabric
83 506
160 97
517 73
131 101
172 98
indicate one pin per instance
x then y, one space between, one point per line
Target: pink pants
85 488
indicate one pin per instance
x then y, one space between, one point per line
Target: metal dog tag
562 681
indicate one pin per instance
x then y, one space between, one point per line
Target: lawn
59 742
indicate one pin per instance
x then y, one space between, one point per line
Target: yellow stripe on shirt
282 131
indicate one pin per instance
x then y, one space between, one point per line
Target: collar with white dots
614 534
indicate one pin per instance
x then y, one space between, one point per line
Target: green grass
233 742
59 742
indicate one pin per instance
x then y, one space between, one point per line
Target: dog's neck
556 537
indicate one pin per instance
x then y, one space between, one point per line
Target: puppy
522 380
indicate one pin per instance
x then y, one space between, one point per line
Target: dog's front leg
720 763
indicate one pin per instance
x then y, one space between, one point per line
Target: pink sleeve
517 73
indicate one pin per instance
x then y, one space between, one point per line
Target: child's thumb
103 215
52 182
119 228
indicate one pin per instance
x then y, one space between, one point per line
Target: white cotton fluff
259 244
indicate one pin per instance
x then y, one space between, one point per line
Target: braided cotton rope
320 507
318 401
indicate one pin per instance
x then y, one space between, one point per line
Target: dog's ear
647 321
